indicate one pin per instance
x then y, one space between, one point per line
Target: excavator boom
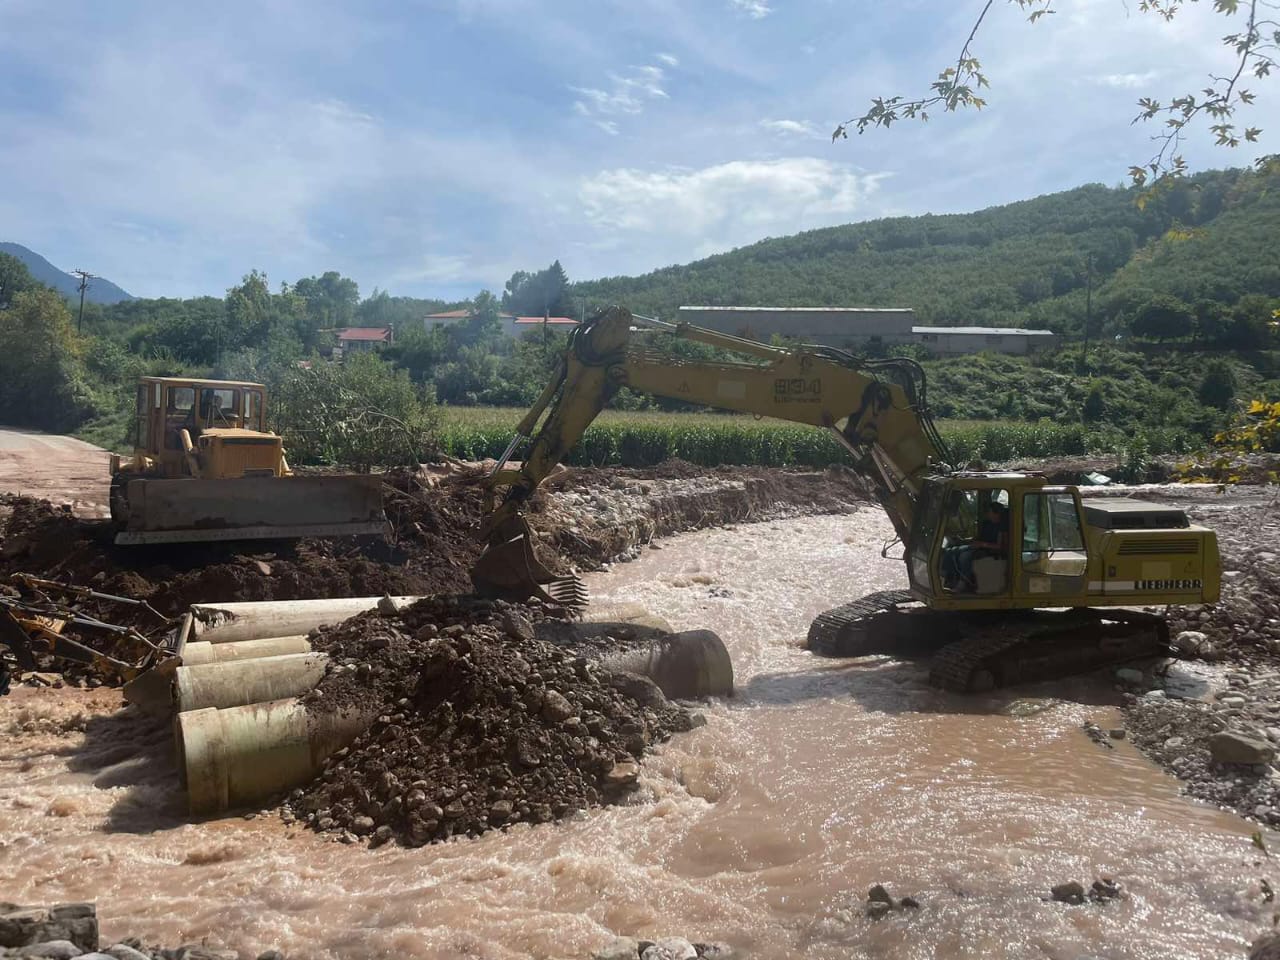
875 408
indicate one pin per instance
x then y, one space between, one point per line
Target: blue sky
432 147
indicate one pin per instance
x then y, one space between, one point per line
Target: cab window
253 409
218 406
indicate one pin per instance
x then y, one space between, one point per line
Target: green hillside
1211 236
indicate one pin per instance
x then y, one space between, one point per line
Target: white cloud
669 59
755 9
1129 81
681 213
627 94
792 128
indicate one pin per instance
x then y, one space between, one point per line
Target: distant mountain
99 290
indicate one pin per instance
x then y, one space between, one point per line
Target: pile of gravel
479 724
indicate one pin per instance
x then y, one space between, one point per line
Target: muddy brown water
764 828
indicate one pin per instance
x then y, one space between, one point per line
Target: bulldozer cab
166 406
992 540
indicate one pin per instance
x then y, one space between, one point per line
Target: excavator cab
204 467
1006 540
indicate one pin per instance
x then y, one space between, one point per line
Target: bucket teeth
568 591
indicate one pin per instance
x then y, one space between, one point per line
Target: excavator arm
875 408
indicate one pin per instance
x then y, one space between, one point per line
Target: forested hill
1209 237
98 291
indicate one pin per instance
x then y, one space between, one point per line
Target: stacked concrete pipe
244 735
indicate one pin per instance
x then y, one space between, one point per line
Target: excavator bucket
510 571
190 510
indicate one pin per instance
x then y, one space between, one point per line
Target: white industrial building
949 341
858 327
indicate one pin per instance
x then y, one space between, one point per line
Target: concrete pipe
231 622
629 613
203 651
239 682
685 666
244 755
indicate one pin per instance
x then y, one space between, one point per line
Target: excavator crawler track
973 653
846 631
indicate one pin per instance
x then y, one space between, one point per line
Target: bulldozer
1049 583
205 468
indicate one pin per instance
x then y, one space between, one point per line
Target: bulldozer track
829 632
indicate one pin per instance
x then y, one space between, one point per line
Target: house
512 326
951 341
829 326
361 339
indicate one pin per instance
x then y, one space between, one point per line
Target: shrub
359 414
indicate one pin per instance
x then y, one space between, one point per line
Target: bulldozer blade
251 508
152 690
510 571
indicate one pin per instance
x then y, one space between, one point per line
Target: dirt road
60 469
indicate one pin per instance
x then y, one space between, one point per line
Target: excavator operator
992 541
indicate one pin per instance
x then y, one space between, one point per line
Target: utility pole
85 276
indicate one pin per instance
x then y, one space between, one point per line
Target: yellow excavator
204 468
1010 578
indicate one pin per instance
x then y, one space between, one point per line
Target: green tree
359 414
1212 321
15 278
1250 325
42 376
1164 318
331 301
1218 386
537 294
1095 404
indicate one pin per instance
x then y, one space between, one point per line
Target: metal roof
365 333
808 309
988 331
201 382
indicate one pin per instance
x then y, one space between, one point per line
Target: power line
85 276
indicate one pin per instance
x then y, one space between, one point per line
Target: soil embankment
582 518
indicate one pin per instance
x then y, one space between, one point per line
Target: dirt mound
480 725
431 551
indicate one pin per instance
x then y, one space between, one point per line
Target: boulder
555 707
715 951
1231 747
623 948
1071 892
1266 947
1190 643
670 948
75 922
122 951
50 949
878 894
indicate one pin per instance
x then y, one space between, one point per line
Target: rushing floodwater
764 828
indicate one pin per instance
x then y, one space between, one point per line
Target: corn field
645 438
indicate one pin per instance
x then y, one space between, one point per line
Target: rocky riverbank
65 931
1213 720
